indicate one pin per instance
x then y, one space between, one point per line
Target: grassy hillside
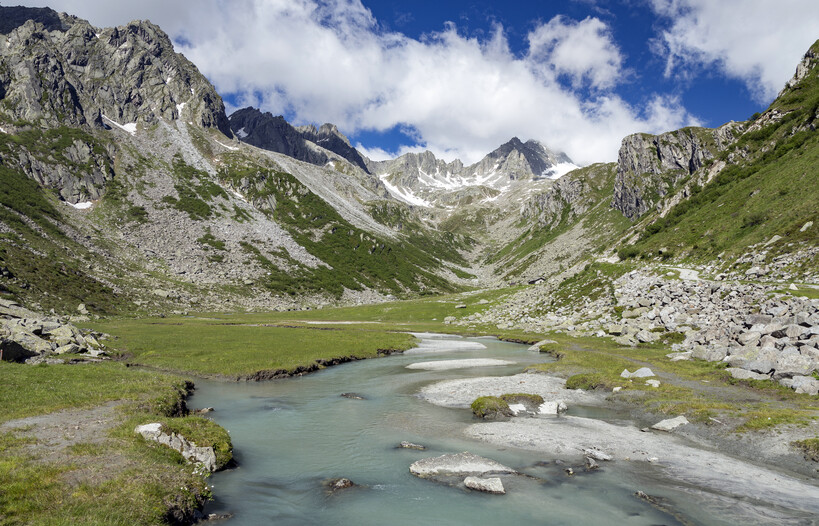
767 188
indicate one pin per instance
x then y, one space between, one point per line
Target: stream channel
292 435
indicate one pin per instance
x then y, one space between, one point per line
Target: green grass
203 433
597 363
803 292
120 478
240 347
34 390
768 191
768 417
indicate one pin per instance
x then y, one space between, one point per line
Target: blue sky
462 77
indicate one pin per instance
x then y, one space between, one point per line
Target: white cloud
585 51
757 41
329 61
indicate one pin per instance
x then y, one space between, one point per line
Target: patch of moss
490 407
529 400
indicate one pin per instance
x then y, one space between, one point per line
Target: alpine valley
129 200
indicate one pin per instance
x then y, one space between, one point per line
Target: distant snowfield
85 205
404 195
559 170
131 127
241 133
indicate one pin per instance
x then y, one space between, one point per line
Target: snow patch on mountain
403 194
559 170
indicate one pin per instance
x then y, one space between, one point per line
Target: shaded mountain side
265 131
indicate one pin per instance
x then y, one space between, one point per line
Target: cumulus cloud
330 61
756 41
584 51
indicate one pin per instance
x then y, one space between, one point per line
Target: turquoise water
291 435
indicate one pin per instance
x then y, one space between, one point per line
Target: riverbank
70 454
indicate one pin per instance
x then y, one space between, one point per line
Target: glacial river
292 435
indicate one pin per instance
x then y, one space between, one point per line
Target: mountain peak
265 131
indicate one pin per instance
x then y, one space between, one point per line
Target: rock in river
460 464
487 485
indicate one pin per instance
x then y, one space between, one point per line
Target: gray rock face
649 166
203 456
58 70
28 337
570 195
82 72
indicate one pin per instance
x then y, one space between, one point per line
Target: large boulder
18 345
788 365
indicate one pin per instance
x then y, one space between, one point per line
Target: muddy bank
301 370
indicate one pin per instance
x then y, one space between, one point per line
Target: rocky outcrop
328 137
518 160
570 197
26 336
204 457
63 80
649 167
72 73
748 326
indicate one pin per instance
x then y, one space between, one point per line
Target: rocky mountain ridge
418 179
305 143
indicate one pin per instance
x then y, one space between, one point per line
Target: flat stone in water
445 365
457 464
487 485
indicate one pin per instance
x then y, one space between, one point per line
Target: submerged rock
411 445
352 396
487 485
334 485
